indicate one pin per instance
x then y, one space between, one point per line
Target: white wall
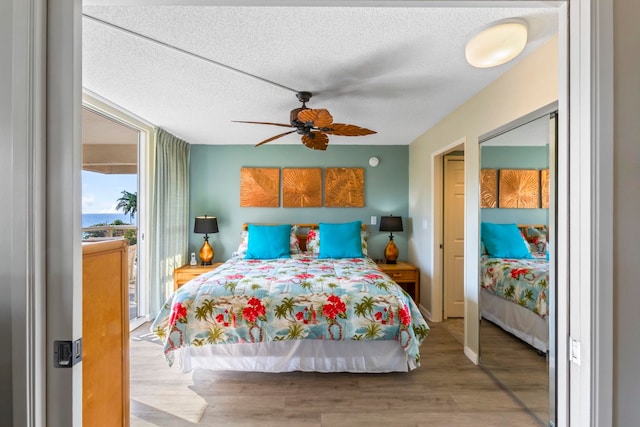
530 85
626 250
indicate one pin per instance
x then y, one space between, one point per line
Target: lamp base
391 252
206 253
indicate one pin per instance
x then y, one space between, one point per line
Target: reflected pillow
537 239
504 241
341 240
268 241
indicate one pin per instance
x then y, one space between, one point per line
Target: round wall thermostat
374 161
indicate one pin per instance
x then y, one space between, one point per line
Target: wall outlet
373 220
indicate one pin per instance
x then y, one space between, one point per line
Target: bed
315 308
514 289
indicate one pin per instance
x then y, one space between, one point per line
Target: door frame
437 206
44 116
445 291
23 365
146 150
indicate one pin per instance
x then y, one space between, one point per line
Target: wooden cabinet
105 333
187 272
406 275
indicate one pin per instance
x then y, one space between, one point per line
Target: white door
453 236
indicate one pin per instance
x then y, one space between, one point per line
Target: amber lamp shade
205 225
391 223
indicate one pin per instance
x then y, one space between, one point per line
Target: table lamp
391 223
205 225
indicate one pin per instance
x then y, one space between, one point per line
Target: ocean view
89 219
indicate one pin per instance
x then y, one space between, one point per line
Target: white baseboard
471 355
136 323
426 313
467 351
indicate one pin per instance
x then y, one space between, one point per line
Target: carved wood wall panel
519 188
301 187
544 187
488 188
344 187
260 187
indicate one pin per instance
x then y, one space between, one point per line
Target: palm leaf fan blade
274 137
343 129
319 118
262 123
316 141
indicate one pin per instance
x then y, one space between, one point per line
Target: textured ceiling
394 70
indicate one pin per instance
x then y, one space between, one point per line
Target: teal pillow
504 241
340 240
268 241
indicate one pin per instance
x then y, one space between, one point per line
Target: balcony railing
108 229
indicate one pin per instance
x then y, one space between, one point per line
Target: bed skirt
523 323
299 355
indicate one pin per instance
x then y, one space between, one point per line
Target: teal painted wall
215 190
506 157
502 157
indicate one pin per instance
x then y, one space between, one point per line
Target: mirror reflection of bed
516 287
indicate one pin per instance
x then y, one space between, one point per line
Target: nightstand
187 272
406 275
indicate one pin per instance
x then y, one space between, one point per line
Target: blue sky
100 192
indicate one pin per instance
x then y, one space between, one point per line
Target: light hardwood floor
518 366
447 390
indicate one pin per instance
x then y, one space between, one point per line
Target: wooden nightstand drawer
187 272
403 275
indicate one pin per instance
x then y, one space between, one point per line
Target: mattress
298 313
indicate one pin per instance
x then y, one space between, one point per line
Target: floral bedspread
247 301
522 281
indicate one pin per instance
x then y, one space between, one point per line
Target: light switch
373 220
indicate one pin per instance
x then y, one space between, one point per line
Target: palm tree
128 203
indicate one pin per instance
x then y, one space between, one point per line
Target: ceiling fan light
496 45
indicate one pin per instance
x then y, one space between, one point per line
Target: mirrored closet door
517 285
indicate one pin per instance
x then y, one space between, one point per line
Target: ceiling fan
313 124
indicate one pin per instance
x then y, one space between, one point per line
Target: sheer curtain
169 222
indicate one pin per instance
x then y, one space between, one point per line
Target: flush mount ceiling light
497 44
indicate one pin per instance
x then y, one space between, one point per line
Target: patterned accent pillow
294 246
524 239
537 239
363 241
244 244
313 242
